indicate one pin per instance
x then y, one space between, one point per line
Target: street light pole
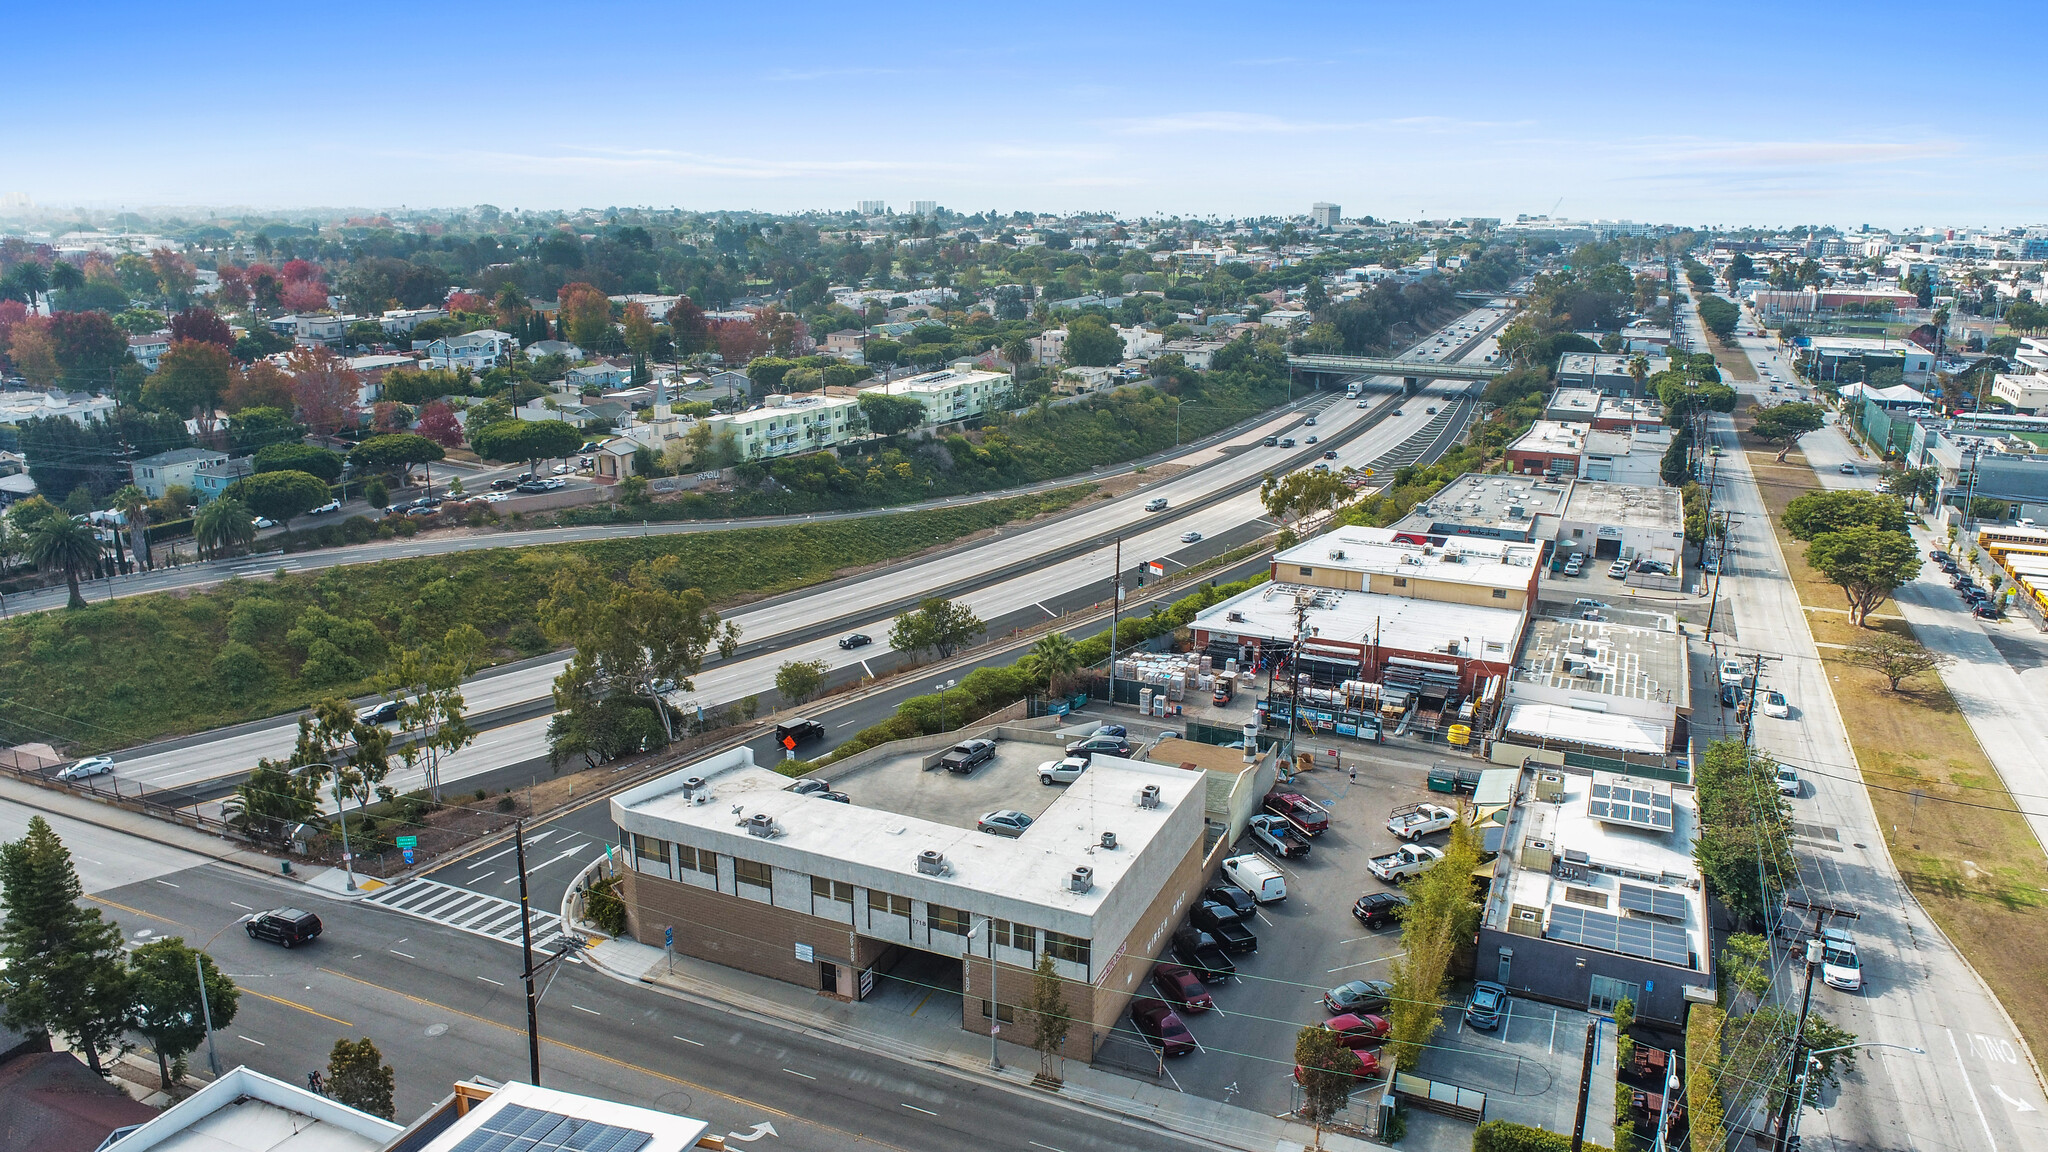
341 809
1813 1058
943 686
995 1020
1795 1071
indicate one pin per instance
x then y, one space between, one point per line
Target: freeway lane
803 626
442 1005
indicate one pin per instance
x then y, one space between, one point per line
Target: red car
1368 1065
1310 817
1358 1031
1182 988
1159 1025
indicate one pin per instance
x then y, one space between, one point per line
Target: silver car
1004 822
88 767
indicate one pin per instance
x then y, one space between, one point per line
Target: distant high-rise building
924 207
873 207
1324 215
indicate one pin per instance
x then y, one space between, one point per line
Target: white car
1190 537
1775 705
264 522
330 506
1840 967
1062 771
1788 781
88 767
561 469
1732 671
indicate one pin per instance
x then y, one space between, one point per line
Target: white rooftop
1367 618
246 1111
936 382
1478 561
1607 730
665 1131
1553 436
853 843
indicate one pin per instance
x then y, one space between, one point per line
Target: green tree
1866 563
1327 1076
67 545
798 680
1916 484
61 966
1814 514
890 415
938 625
254 428
432 713
1742 844
531 441
1053 657
1719 316
358 1077
1440 916
273 799
642 636
1051 1019
133 505
190 380
1895 657
1302 494
1092 342
279 496
402 450
321 462
168 1011
1785 424
222 525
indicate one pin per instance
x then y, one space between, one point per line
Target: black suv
1107 745
966 755
1379 909
287 926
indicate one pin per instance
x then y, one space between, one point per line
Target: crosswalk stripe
465 911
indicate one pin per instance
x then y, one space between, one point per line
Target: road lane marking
581 1008
396 952
1989 1139
1047 1147
485 876
687 1040
242 906
294 1004
167 883
1362 963
126 908
794 1072
915 1108
258 1043
488 980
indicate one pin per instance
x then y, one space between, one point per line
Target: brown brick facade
735 931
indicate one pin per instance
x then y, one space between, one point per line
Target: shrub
1501 1136
605 907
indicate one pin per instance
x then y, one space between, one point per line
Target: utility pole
526 951
1794 1079
1585 1087
1721 564
1116 604
1756 687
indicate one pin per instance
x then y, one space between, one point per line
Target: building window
833 891
1500 593
1066 947
697 860
1019 936
745 872
1308 571
1400 581
945 919
648 848
1007 1013
888 904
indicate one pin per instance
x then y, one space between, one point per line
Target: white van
1352 389
1257 876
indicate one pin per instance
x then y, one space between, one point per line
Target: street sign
407 841
804 954
407 853
668 937
789 743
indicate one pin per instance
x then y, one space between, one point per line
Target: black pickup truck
1200 954
1223 922
964 756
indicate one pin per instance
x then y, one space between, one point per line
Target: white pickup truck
1403 862
1412 821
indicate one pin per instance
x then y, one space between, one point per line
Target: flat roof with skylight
1380 552
1603 658
1398 623
1624 506
1490 505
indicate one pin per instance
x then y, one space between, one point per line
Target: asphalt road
1044 569
1974 1089
444 1005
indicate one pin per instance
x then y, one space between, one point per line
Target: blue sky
1726 114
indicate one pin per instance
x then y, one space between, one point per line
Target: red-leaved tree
437 423
324 389
202 324
466 302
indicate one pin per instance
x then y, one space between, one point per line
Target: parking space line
1363 963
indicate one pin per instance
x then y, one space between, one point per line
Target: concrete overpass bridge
1411 372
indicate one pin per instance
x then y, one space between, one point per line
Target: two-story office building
954 394
791 425
834 897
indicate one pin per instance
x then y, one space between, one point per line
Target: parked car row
1218 927
1975 596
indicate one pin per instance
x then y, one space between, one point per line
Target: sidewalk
117 819
942 1041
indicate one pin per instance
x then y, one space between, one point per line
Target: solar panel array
1644 939
1636 898
1625 800
517 1128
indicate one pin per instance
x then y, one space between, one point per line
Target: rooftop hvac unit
931 862
1234 616
695 792
1081 879
1550 786
761 824
1336 553
1148 797
1109 840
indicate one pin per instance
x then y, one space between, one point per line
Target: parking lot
1307 943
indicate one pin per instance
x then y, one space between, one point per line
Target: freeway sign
406 841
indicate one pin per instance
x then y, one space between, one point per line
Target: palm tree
32 278
1639 371
58 541
223 524
1018 353
133 505
1056 659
